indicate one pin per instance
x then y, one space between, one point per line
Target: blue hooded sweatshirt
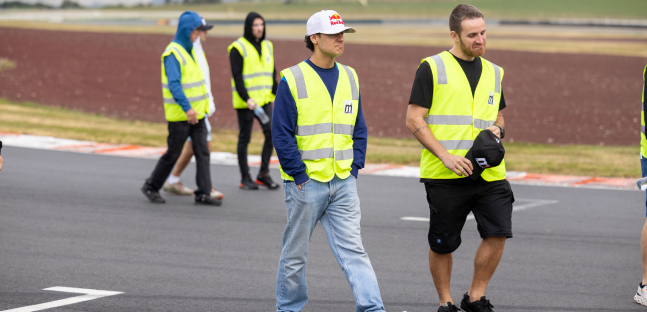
188 21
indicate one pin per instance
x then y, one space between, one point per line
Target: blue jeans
336 205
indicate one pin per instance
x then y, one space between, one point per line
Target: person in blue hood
186 105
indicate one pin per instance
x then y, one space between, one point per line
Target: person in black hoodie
254 87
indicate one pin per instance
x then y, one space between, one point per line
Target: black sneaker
205 199
482 305
265 180
448 307
153 196
247 184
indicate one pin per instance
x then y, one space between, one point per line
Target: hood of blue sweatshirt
188 21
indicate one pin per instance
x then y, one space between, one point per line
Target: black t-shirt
423 85
423 90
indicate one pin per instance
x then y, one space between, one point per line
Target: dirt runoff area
551 98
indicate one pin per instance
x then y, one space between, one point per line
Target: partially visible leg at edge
643 249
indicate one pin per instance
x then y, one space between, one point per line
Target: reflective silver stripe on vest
249 76
344 154
316 154
256 88
323 128
497 78
449 120
353 85
455 144
180 54
186 85
302 92
242 46
269 48
314 129
642 129
191 99
440 65
483 124
344 129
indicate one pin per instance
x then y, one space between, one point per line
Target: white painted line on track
531 203
89 294
414 219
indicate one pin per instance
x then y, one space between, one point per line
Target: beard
469 52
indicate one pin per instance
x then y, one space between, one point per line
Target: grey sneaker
247 184
641 295
177 188
153 196
204 199
216 194
448 307
265 180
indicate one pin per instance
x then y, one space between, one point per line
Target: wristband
502 131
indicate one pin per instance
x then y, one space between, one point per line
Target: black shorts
451 203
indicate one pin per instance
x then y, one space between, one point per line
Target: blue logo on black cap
438 241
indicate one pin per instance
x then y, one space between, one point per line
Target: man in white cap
319 133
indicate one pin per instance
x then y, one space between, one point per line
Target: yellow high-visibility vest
456 117
324 131
192 84
258 72
643 139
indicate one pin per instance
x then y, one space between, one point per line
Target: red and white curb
223 158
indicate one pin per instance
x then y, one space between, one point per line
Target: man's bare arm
499 122
418 127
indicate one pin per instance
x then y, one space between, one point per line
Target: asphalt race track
79 220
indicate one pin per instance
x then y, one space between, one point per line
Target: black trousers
178 132
245 122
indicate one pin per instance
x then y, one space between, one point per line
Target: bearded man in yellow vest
320 136
457 94
641 295
186 104
253 85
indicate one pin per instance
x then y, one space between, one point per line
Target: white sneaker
216 194
177 188
641 295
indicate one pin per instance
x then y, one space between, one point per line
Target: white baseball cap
327 22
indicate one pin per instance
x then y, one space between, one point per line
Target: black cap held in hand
204 25
486 152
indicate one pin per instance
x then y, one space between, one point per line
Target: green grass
6 64
508 9
30 118
588 160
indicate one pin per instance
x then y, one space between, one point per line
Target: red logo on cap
335 19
